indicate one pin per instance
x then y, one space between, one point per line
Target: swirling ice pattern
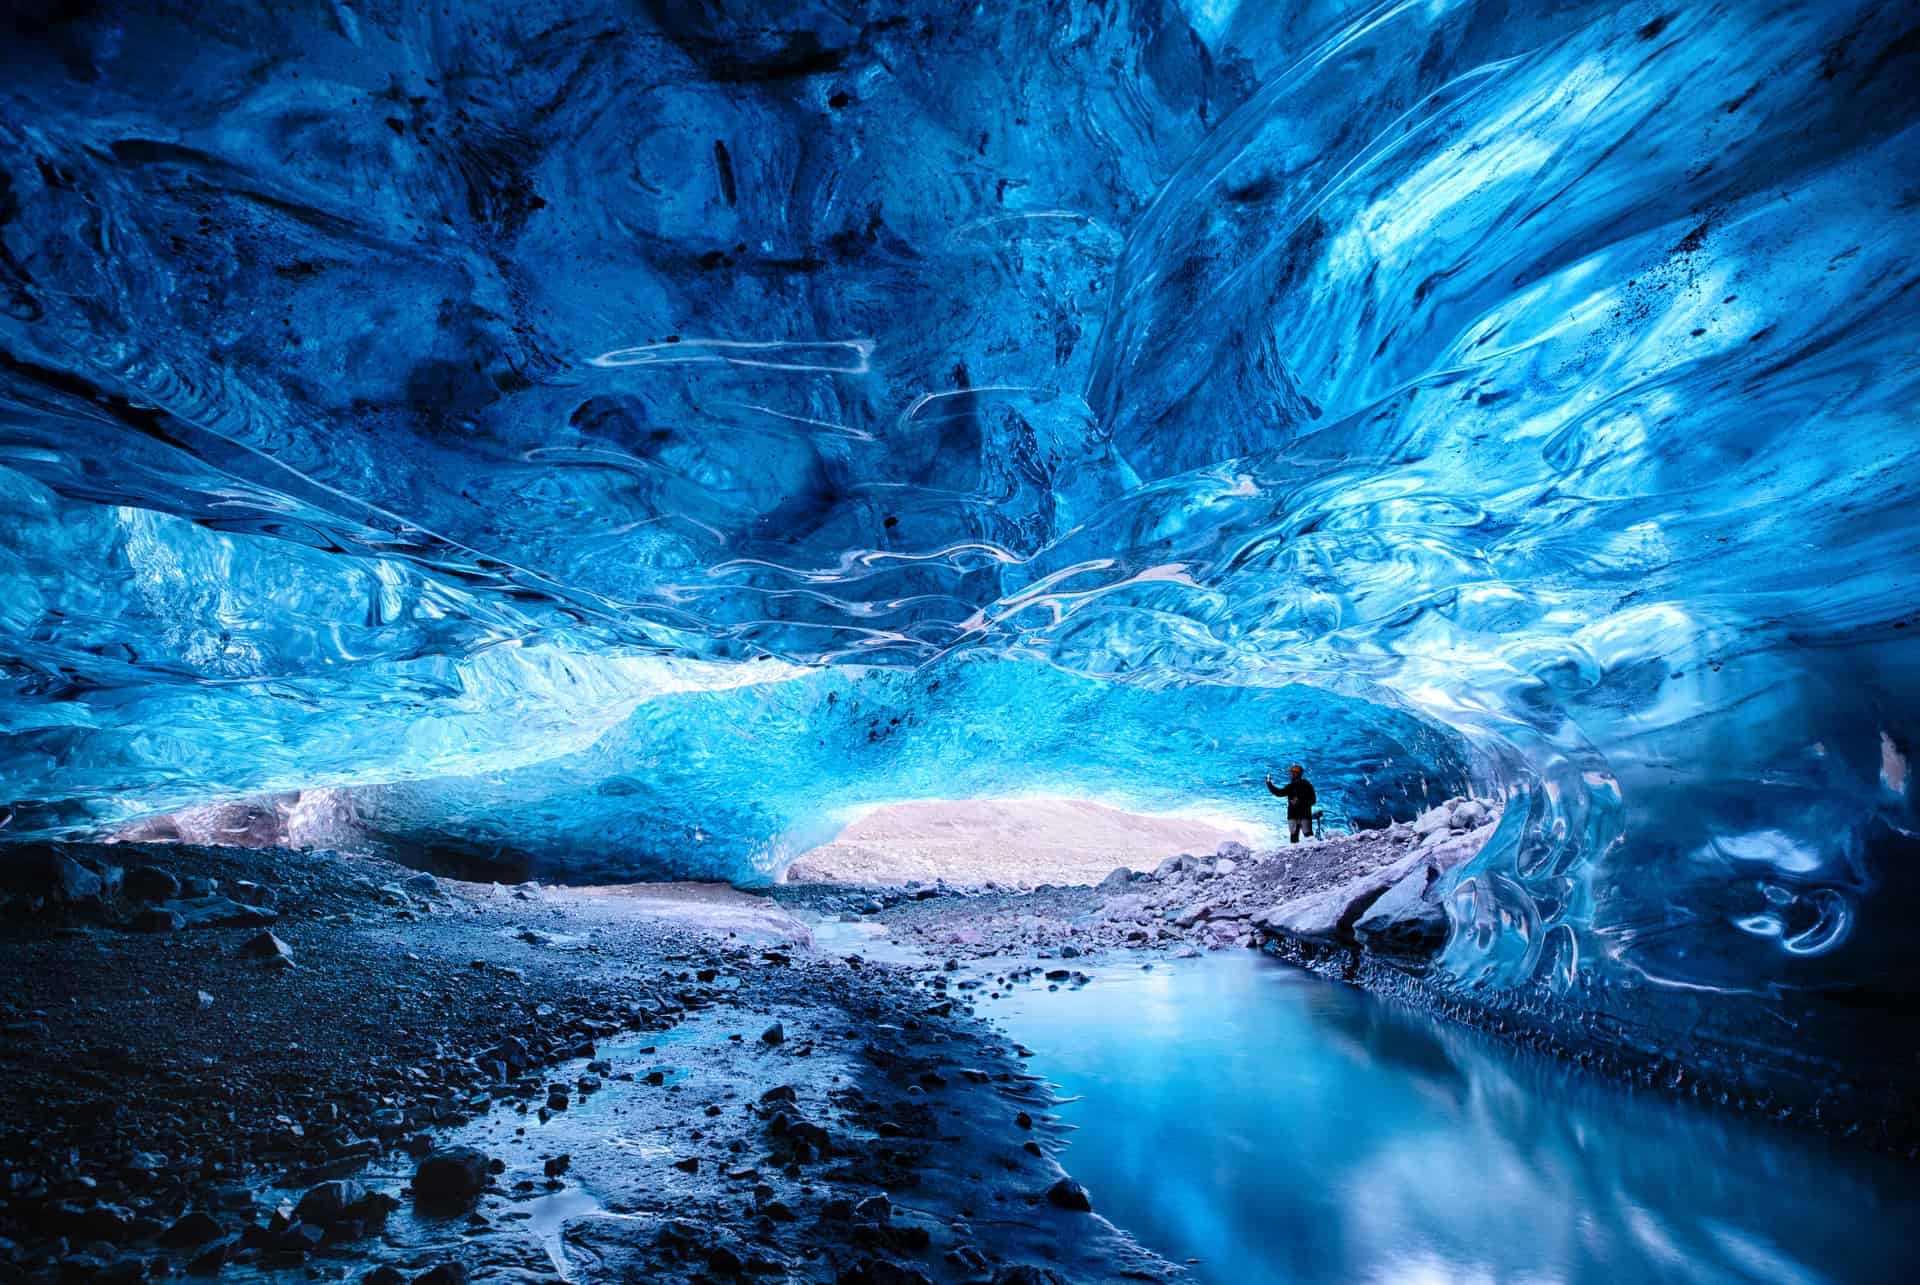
407 396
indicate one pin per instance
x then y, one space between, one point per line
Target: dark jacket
1299 796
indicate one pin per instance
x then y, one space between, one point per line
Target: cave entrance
1015 842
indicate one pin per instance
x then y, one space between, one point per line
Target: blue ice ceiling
543 396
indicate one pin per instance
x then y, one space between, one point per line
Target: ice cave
653 640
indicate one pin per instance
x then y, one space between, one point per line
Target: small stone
203 999
775 1034
558 1165
267 946
689 1165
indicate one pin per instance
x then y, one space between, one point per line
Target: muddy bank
220 1058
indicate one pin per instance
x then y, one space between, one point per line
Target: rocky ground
308 1066
1372 890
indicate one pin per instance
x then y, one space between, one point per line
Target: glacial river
1275 1127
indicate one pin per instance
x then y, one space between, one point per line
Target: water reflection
1282 1128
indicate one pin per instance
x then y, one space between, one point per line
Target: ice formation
576 428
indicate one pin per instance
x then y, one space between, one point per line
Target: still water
1281 1128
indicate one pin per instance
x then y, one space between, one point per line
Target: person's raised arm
1278 793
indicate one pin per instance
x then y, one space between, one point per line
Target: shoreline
843 1128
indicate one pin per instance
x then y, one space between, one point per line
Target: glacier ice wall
499 402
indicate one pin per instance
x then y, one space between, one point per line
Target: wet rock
197 886
690 1165
215 1255
195 1228
150 883
1070 1195
444 1274
328 1201
451 1173
557 1165
775 1034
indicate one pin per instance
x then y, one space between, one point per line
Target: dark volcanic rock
151 883
444 1274
329 1201
158 919
196 1228
451 1173
267 946
1068 1194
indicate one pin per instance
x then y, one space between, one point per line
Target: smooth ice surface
1285 1130
498 407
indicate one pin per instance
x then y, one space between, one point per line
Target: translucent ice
485 408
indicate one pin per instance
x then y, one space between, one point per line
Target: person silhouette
1298 792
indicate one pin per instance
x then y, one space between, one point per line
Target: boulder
1116 881
444 1274
1329 914
421 885
1434 818
1070 1195
1234 850
1193 914
1469 814
1225 866
451 1173
195 1228
1175 865
329 1201
1404 921
158 919
151 883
